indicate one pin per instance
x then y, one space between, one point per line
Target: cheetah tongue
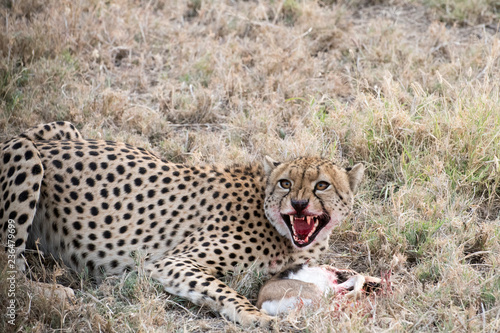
303 227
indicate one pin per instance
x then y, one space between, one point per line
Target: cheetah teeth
309 220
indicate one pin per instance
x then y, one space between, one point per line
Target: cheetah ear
355 175
269 165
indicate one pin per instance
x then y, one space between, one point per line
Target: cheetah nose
299 205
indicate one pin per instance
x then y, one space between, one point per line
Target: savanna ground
409 88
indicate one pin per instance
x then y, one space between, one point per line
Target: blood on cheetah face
307 197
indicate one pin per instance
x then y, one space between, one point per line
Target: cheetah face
307 197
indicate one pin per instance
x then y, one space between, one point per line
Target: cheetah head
307 197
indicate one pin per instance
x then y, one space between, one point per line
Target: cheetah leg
21 174
186 278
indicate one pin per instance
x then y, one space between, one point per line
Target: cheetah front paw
256 318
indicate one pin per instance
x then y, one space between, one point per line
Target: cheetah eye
321 186
285 184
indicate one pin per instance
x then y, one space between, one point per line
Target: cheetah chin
305 228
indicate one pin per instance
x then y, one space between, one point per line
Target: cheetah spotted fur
93 203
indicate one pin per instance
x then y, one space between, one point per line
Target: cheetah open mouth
305 228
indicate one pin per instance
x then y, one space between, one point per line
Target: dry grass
410 88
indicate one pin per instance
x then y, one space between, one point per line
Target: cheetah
93 203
